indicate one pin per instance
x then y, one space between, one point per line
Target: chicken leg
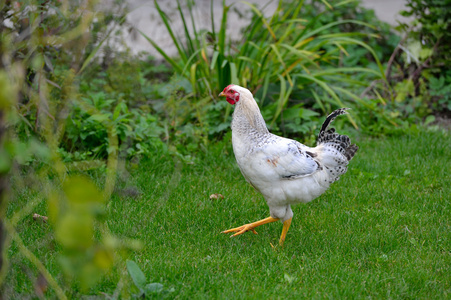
251 227
286 226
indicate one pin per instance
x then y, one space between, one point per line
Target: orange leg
251 226
286 226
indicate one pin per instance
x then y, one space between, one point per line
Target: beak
222 94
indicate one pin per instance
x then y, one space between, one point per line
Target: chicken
284 171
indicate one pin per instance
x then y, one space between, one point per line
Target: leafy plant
441 88
431 26
46 46
277 58
86 136
73 212
424 53
145 289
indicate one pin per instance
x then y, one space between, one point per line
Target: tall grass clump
286 60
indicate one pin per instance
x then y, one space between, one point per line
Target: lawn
381 231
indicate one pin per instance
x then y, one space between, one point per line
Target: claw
241 230
249 227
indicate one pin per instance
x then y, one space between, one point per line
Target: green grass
381 231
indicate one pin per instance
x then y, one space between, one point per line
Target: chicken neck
248 121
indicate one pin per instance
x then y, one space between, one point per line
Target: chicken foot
251 227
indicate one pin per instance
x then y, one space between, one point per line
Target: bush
45 48
423 59
300 63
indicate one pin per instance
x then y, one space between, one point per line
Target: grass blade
332 24
360 43
338 71
283 98
214 59
165 20
282 62
185 27
223 29
188 62
330 91
364 103
193 77
162 52
94 52
318 101
259 13
233 73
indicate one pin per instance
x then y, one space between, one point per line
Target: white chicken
285 171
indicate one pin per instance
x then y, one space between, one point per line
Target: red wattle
230 100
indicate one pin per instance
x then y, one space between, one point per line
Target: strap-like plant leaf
162 52
330 91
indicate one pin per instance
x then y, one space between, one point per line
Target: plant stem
34 260
392 58
3 200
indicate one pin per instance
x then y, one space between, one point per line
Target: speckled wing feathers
288 158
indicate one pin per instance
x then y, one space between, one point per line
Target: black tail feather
331 117
341 142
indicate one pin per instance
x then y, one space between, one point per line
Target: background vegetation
108 148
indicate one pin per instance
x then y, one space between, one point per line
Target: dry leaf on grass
39 217
216 196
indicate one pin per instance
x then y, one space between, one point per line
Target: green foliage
40 75
61 85
86 136
146 290
73 213
285 60
383 45
441 88
431 26
426 53
72 115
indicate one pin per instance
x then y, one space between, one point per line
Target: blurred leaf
153 288
75 231
89 275
103 259
53 207
307 113
425 53
99 117
79 189
5 161
429 120
7 93
404 89
136 274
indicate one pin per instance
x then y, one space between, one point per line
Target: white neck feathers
247 116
